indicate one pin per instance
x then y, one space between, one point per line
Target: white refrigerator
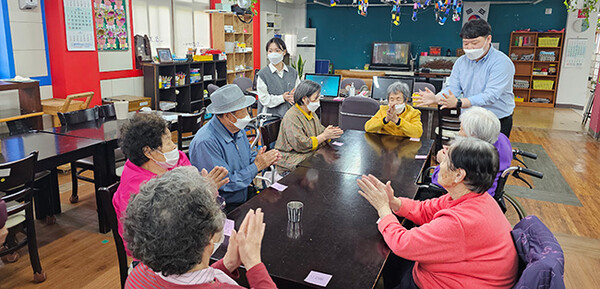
306 41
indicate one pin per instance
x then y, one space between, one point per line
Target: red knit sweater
143 277
463 243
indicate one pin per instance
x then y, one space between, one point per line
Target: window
175 24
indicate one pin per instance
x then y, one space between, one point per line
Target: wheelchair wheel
514 211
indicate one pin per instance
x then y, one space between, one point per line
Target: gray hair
306 88
169 223
480 123
478 158
399 87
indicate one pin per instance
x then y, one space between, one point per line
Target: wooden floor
75 255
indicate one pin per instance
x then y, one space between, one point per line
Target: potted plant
299 66
586 6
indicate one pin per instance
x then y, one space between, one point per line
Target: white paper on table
337 143
420 157
279 187
415 139
228 227
318 278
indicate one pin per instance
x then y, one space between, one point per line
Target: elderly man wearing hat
223 142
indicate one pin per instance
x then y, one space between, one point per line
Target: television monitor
330 84
391 55
381 83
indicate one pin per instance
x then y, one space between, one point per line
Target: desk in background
29 102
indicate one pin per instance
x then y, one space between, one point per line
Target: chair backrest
188 124
107 111
356 111
358 83
105 195
244 83
540 254
16 182
448 120
78 116
88 98
211 88
422 85
269 133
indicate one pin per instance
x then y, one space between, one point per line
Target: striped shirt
143 277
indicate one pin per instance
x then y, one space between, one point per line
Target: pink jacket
131 180
463 243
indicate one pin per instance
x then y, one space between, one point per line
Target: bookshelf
532 70
188 96
270 25
228 31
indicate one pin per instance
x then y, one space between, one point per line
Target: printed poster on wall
475 10
79 25
111 24
575 54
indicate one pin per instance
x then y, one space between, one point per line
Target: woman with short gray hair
301 131
478 122
174 224
462 237
397 118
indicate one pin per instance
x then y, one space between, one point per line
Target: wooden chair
448 125
105 195
55 105
16 189
188 124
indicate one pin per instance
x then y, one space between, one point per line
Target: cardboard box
135 102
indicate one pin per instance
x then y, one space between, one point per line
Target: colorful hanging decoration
111 24
333 3
362 7
396 12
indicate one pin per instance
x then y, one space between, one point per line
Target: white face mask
171 159
241 123
477 53
400 108
217 244
275 57
313 106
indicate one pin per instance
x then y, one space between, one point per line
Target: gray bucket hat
228 98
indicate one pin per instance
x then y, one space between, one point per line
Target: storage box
135 102
548 41
543 84
203 57
519 99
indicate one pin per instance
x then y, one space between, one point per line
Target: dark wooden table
54 150
338 233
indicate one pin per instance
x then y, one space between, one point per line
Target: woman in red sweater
172 226
463 239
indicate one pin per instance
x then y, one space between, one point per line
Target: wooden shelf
243 33
524 69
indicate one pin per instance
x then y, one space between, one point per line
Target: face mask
241 123
475 54
275 58
400 108
312 106
171 159
217 244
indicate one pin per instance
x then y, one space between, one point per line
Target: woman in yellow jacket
396 118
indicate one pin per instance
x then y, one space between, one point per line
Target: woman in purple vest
479 123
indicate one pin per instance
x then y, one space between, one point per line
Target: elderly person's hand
377 193
266 158
250 238
394 203
391 115
217 176
232 259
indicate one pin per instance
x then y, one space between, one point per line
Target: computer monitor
330 84
391 55
381 83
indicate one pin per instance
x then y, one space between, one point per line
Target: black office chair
211 88
16 190
107 112
269 133
355 111
86 164
188 124
448 125
105 195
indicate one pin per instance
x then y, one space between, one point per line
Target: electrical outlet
548 11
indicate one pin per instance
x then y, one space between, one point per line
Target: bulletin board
111 24
79 25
